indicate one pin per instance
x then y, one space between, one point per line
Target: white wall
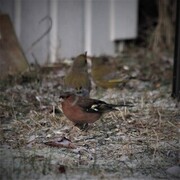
32 13
123 18
70 27
101 43
78 25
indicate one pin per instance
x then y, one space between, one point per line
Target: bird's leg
103 123
82 126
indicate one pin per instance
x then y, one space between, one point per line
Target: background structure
77 26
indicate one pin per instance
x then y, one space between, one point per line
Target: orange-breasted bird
104 74
81 110
77 79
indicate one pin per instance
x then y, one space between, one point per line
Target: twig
44 34
157 140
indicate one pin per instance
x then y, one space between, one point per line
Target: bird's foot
83 127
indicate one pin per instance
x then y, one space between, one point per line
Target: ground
139 142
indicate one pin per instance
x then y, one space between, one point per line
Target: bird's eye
61 97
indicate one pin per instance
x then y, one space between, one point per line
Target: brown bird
77 80
104 74
81 110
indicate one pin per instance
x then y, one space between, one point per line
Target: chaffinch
104 74
77 80
81 110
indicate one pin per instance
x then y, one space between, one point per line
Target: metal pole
176 68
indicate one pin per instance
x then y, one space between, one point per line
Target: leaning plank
12 59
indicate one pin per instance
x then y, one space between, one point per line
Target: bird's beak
61 100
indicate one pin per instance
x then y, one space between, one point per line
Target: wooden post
12 59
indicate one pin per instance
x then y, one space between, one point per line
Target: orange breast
75 114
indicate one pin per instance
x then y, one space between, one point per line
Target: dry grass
138 142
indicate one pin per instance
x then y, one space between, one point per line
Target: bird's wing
95 106
90 105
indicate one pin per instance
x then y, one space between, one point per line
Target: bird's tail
112 107
122 105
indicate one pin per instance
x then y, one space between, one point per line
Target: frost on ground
141 142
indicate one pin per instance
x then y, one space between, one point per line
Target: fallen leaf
60 142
